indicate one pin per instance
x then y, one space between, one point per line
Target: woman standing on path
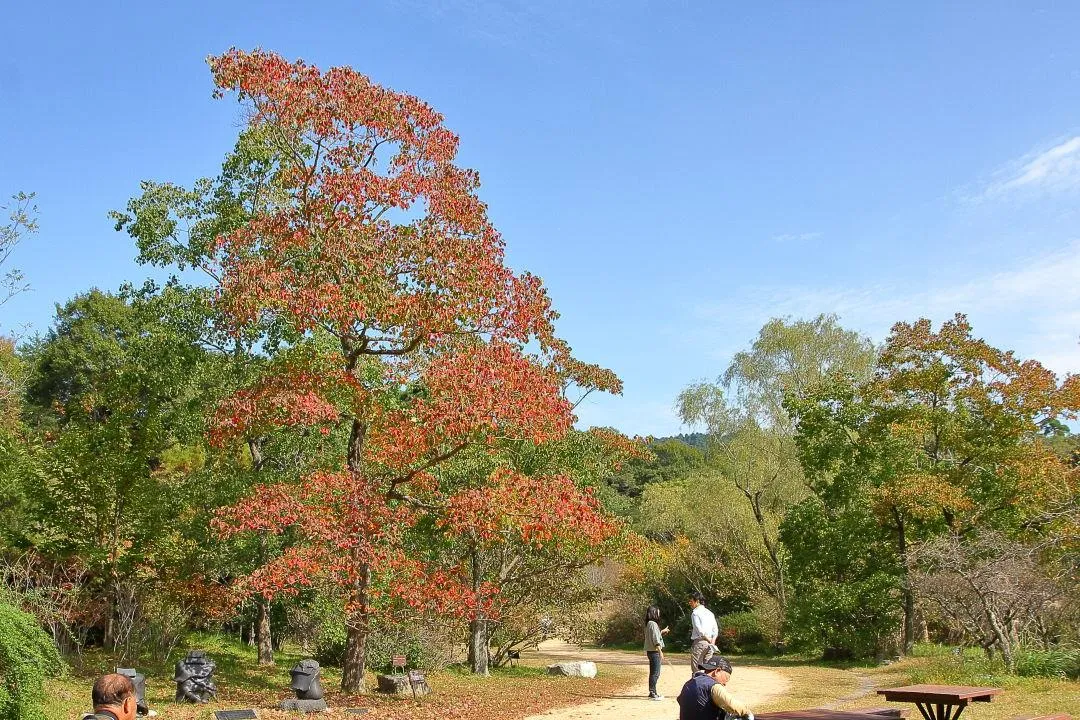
654 648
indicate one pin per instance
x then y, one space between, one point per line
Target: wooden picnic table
939 702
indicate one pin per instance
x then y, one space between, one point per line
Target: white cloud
797 237
1052 170
1033 308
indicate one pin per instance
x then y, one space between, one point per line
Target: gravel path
755 685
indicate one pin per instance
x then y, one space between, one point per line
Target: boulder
305 706
579 668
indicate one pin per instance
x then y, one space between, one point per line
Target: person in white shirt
703 631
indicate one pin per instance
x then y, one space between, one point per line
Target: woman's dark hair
696 595
653 614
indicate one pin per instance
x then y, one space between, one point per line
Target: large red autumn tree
379 240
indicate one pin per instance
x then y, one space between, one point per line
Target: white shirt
703 624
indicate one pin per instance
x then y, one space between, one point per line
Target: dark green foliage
742 632
674 460
845 581
27 657
698 440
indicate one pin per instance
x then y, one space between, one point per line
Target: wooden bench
822 714
886 712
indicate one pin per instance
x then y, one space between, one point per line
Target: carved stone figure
194 683
139 681
305 680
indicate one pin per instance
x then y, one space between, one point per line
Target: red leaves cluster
344 518
490 388
292 397
351 533
535 509
384 241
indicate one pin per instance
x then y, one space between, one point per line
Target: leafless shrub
990 589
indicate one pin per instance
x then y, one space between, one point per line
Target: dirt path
755 685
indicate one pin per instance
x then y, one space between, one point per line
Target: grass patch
850 687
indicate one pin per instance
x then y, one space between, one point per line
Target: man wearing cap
705 695
114 698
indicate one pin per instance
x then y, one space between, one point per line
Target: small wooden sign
235 715
398 661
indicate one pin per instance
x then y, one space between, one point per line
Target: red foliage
378 239
334 257
535 509
291 398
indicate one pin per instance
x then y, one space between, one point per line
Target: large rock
580 668
399 685
305 706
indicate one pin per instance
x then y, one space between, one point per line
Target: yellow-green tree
945 437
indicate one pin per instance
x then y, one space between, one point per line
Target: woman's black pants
654 670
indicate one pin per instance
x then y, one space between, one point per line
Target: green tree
944 437
668 460
175 228
751 433
118 382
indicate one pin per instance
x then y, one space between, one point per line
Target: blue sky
677 172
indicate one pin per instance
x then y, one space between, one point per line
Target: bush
742 632
1056 663
27 657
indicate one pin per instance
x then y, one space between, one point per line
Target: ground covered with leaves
527 690
509 693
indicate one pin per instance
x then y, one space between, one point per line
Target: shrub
845 580
1056 663
27 657
741 632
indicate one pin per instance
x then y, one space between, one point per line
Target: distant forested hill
695 440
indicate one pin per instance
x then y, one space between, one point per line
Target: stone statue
305 683
193 678
305 680
139 681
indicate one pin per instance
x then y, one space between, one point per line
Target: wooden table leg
926 710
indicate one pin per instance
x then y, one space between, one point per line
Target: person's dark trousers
654 670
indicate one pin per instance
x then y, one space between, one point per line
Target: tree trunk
771 546
263 636
478 637
357 615
908 639
1004 642
262 632
478 646
352 670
